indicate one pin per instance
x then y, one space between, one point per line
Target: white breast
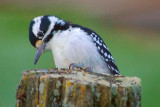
75 46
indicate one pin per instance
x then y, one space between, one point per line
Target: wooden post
44 88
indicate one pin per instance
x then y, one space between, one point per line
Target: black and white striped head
42 30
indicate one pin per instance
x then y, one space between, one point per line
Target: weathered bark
44 88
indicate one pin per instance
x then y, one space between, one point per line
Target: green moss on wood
48 89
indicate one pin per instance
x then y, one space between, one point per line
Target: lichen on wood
46 88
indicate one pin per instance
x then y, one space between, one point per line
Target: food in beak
39 52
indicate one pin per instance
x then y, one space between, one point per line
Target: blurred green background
133 41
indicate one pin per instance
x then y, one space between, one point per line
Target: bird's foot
76 67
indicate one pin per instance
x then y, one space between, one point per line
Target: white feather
53 20
76 46
36 25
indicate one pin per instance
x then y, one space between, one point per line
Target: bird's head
42 30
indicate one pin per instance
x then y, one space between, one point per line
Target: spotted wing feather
102 49
105 53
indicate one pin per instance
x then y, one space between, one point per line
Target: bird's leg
78 68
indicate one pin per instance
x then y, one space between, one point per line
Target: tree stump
56 88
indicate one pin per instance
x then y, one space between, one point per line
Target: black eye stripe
40 34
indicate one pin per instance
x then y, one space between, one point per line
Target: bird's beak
40 45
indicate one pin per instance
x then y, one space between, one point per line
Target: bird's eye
40 34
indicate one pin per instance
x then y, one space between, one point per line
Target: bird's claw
72 66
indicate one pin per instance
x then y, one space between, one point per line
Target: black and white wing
105 53
102 49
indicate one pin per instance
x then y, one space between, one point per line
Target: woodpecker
71 44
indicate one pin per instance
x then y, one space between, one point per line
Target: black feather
32 37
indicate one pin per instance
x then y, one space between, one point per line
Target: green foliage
135 53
